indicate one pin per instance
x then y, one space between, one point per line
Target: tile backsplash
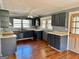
58 28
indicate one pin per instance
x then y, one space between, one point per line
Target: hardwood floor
29 49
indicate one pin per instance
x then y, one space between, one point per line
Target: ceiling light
30 16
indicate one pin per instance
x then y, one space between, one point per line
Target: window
43 24
46 23
26 23
75 25
21 23
17 23
49 24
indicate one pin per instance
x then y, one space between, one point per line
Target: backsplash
58 28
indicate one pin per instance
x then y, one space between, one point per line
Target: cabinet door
33 22
39 34
19 36
28 34
4 22
51 40
57 41
53 19
34 35
62 18
38 21
56 21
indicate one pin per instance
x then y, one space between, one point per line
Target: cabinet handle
69 32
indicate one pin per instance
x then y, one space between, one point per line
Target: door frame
70 31
73 36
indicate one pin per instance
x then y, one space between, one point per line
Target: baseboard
55 48
25 38
74 52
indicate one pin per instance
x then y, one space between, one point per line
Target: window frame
21 26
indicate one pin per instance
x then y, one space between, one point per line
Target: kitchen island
7 44
57 40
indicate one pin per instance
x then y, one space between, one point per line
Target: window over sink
26 23
22 23
16 23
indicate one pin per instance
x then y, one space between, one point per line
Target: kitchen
48 34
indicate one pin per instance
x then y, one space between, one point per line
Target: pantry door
74 33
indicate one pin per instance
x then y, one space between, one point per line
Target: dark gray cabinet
54 41
62 17
38 34
33 22
58 42
19 35
56 21
59 19
27 34
24 34
36 20
30 34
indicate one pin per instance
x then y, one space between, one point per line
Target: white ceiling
37 7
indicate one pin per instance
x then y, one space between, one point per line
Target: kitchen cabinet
56 21
58 42
37 35
36 21
30 34
24 34
19 36
59 19
62 19
54 41
4 18
27 34
8 46
33 22
7 37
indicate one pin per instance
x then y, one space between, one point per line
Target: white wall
1 4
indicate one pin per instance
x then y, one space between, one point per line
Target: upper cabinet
36 21
4 18
59 19
62 19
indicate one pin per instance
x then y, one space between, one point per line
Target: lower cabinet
19 35
58 42
37 35
8 46
30 34
27 34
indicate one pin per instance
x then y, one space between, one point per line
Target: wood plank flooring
29 49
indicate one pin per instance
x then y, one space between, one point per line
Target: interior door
74 33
